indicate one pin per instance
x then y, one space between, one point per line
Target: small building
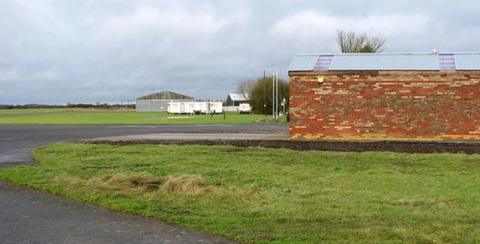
234 100
158 102
386 96
195 107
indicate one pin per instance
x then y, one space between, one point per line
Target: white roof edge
239 96
386 53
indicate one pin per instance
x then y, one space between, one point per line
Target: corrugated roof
165 95
239 97
386 61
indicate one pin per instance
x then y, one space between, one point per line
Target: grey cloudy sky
59 51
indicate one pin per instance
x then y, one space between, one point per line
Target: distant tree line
12 106
68 105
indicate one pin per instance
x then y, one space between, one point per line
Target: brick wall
390 105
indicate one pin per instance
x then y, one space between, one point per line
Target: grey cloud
58 51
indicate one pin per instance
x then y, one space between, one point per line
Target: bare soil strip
342 146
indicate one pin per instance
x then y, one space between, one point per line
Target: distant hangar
158 102
175 103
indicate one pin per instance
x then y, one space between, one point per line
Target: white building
234 100
194 107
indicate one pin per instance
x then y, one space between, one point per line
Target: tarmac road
16 142
28 216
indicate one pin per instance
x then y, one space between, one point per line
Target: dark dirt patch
232 149
342 146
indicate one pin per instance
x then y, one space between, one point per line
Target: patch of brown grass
184 184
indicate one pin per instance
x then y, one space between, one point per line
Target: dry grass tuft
184 184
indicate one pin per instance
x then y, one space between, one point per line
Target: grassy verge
112 117
272 195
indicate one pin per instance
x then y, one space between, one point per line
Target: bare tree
351 42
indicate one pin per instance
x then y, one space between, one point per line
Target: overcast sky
59 51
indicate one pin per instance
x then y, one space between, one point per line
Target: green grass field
272 195
112 117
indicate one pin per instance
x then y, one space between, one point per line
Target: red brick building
423 96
